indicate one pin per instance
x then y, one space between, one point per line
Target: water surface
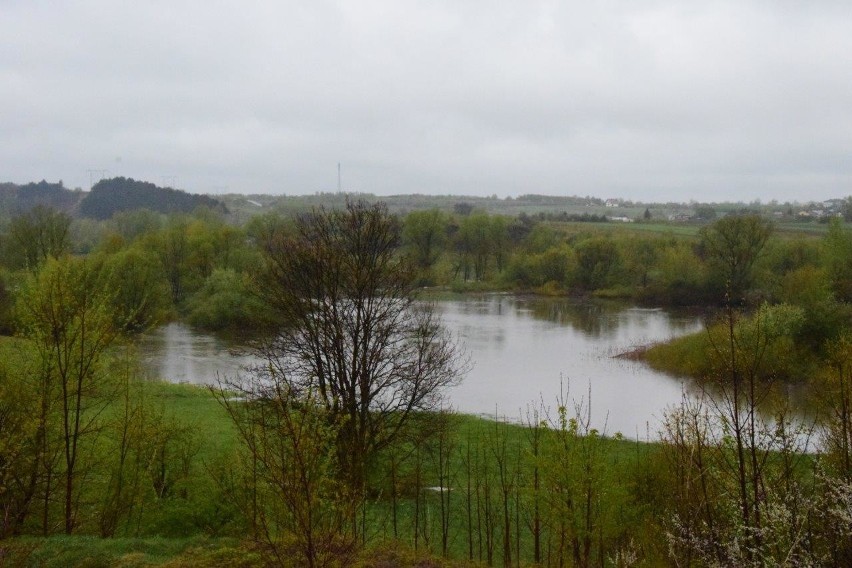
526 350
523 351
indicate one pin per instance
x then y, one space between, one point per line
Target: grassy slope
197 407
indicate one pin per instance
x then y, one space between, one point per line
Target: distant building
680 217
612 203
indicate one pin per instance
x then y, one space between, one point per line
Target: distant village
812 211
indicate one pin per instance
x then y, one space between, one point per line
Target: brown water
523 351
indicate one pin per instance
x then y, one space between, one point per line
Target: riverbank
197 526
502 479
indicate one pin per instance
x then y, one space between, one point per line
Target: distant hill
109 196
15 199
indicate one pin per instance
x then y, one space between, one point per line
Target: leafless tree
354 338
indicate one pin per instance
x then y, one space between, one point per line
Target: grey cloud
658 100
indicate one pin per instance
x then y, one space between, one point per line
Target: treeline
109 196
535 254
206 262
21 198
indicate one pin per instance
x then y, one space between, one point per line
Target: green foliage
164 459
771 332
18 199
809 288
35 236
226 302
6 303
110 196
556 266
135 223
598 263
285 478
66 315
18 436
475 246
541 238
705 213
425 235
837 247
88 552
731 247
139 291
678 278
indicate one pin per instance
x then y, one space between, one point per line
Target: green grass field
474 450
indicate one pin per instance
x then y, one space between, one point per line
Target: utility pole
100 174
339 186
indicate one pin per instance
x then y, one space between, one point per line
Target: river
523 351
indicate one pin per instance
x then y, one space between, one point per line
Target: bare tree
286 469
741 498
355 338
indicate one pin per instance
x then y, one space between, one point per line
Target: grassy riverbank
488 467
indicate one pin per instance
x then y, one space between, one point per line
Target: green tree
172 249
598 261
35 236
679 277
837 247
139 290
731 246
705 213
18 442
67 315
425 234
541 238
136 222
6 302
474 245
227 302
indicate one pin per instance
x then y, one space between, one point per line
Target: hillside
110 196
16 198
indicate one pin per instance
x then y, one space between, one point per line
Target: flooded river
523 351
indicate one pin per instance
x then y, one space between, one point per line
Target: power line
100 174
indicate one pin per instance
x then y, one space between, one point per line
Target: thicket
88 447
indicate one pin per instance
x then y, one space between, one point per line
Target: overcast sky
648 100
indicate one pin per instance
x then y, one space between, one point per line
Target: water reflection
177 353
524 349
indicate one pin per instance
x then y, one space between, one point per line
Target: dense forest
19 198
335 450
109 196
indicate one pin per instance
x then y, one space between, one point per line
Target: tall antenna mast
339 186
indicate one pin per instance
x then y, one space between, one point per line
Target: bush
226 302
